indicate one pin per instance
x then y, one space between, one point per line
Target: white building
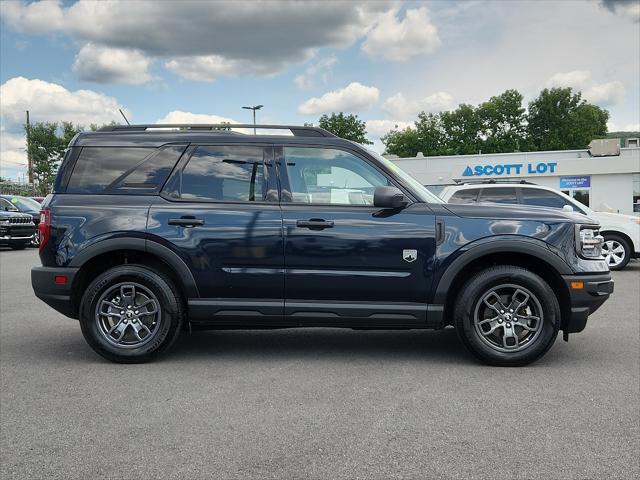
604 183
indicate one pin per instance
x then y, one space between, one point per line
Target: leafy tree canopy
346 126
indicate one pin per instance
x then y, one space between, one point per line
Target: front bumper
7 239
55 294
584 301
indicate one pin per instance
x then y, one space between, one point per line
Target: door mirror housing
389 197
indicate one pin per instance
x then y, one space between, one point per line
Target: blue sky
385 61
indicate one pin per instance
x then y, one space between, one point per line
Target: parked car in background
17 230
24 205
38 199
621 232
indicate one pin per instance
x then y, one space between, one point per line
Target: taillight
44 227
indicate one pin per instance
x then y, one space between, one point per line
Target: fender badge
409 255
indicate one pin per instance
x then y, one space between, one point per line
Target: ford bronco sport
152 229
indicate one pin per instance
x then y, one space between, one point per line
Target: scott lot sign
510 169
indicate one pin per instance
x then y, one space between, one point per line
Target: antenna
123 116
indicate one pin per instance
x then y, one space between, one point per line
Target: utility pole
29 164
254 108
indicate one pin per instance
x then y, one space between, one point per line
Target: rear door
219 211
347 261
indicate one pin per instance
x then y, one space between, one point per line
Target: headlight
4 223
589 241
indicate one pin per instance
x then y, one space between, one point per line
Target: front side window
542 198
224 173
498 195
7 206
331 176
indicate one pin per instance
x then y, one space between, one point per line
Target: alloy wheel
508 318
128 315
613 252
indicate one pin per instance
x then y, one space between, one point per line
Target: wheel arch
118 251
536 258
622 235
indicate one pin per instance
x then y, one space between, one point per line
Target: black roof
160 134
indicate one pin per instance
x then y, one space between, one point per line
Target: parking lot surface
315 403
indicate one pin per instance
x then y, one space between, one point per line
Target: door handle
315 224
186 221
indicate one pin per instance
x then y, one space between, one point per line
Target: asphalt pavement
314 403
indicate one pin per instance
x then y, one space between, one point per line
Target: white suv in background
621 232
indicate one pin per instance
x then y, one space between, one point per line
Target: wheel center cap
129 314
507 316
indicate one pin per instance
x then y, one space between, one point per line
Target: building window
636 192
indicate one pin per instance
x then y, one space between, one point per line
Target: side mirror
568 208
389 197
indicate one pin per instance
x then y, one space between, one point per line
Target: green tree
403 143
560 120
48 142
503 123
346 126
461 131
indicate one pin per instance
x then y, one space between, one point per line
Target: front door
346 261
219 211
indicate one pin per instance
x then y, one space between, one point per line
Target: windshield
24 203
423 193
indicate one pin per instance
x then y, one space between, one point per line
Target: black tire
470 303
169 318
614 239
18 246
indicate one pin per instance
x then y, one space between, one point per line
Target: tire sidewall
169 316
474 291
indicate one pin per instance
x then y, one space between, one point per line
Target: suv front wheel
507 316
130 314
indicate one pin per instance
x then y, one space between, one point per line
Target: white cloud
207 68
398 106
51 102
632 127
379 128
111 65
353 98
13 155
604 94
399 40
316 73
178 116
272 35
578 79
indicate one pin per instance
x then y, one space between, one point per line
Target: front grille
20 220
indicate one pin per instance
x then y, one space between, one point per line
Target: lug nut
515 319
121 312
501 311
135 320
499 320
136 312
508 325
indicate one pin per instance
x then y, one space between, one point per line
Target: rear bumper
56 295
584 301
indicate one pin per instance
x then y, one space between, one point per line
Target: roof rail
488 181
298 131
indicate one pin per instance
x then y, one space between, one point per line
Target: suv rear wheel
507 316
616 251
130 314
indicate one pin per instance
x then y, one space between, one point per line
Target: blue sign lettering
509 169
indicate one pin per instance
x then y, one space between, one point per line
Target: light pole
254 108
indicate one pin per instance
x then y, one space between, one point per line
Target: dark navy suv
153 229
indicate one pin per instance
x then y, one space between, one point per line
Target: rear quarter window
130 170
469 195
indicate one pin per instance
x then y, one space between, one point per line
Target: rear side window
469 195
233 173
115 170
542 198
499 195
